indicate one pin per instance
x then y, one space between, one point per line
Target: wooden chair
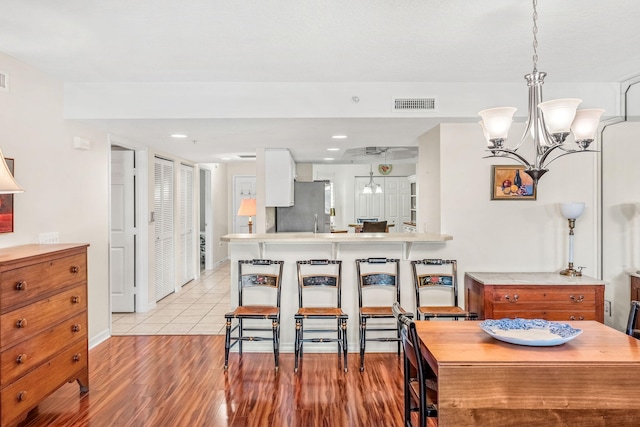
317 277
375 227
377 277
427 275
420 382
260 278
633 317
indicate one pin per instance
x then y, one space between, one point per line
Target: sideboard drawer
558 315
21 358
22 285
26 322
26 392
560 298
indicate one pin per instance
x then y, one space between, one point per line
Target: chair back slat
259 273
312 275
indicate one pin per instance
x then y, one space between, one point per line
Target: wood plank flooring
180 381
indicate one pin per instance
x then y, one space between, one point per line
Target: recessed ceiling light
333 149
178 135
339 137
226 158
329 158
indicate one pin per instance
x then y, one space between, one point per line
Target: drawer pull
21 323
76 357
22 358
515 298
21 285
75 328
574 318
74 268
75 299
22 396
579 299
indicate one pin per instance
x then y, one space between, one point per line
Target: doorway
122 268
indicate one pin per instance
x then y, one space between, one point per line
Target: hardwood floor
180 381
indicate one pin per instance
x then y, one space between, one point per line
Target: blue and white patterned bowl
531 332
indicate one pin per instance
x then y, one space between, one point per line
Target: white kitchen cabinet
280 173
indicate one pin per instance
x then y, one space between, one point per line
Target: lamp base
570 271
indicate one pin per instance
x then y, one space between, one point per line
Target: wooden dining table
592 380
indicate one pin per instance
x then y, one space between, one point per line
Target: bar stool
315 278
427 275
379 279
261 278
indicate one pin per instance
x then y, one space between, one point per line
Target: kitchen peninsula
291 247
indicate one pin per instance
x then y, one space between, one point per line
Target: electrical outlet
607 308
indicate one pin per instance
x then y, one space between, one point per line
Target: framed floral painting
510 182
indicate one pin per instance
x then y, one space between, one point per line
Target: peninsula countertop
309 237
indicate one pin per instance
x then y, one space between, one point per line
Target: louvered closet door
163 208
186 224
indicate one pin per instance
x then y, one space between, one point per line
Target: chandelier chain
535 36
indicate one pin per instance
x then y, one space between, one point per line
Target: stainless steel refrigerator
311 206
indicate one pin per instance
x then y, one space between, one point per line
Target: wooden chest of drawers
547 296
43 324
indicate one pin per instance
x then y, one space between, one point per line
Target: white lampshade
378 189
572 210
366 190
559 114
497 121
8 184
247 207
586 123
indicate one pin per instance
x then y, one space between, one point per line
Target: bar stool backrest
381 273
320 273
259 274
435 276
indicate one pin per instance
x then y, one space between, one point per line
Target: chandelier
549 123
371 187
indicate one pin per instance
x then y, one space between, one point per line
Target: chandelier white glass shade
371 187
549 123
571 211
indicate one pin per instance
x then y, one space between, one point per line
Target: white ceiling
304 41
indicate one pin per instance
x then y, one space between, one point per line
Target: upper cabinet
280 173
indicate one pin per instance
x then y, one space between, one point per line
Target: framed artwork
510 182
6 206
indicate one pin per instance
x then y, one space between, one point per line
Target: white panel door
186 224
122 246
163 216
397 202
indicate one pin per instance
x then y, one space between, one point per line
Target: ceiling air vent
4 81
247 156
414 104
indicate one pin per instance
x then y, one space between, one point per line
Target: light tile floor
198 309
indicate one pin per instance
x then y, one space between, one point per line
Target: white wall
516 236
66 190
620 215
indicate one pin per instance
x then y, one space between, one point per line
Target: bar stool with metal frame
262 277
314 275
377 279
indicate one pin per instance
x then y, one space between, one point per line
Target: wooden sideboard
549 296
43 324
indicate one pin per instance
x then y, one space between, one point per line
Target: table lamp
248 208
571 211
